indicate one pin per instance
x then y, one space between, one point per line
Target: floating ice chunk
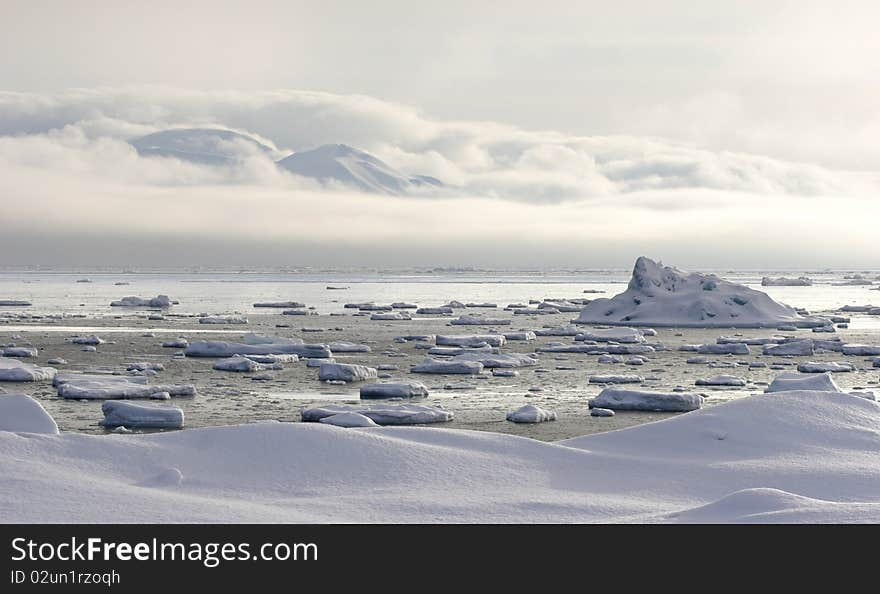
613 349
519 336
601 412
348 420
499 372
23 414
281 304
823 366
697 360
383 414
721 380
610 359
561 306
448 367
161 301
145 366
794 348
318 362
374 307
723 349
178 343
223 320
660 295
56 361
483 305
619 335
298 312
537 311
531 414
749 341
127 414
14 303
12 370
344 372
479 321
395 390
209 348
396 316
801 281
492 360
621 399
560 331
791 382
92 340
416 338
238 364
616 379
403 305
348 347
495 340
455 305
434 311
454 351
116 387
866 350
23 352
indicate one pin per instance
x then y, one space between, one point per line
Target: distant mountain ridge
329 164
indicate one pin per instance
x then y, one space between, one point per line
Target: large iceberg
660 295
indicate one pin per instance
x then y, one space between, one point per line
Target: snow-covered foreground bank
782 457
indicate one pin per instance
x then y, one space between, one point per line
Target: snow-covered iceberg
130 415
660 295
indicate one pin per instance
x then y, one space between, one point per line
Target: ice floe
616 379
19 351
91 387
479 321
349 420
620 335
721 380
823 366
621 399
383 414
395 316
495 340
223 320
493 360
789 382
393 390
280 304
141 416
794 348
448 367
344 372
160 301
212 348
801 281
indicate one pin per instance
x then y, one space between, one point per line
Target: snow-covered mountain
342 164
207 146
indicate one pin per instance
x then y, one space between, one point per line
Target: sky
713 133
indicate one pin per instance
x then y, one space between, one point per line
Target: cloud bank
69 178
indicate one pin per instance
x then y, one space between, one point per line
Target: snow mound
531 414
13 370
620 399
761 505
23 414
383 414
127 414
821 446
660 295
